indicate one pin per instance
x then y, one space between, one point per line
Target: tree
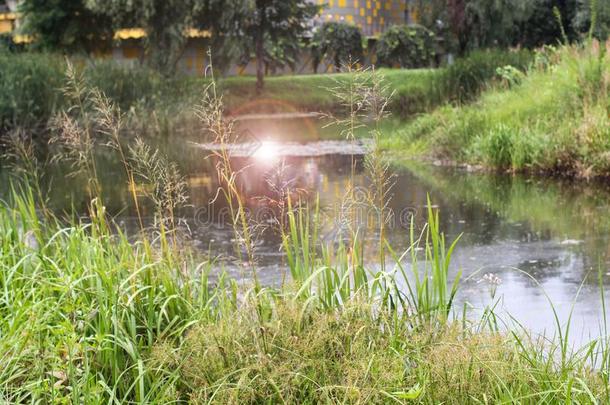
544 26
495 23
164 21
222 19
339 42
408 46
471 24
457 24
65 25
593 16
265 24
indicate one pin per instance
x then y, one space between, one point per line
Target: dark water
545 239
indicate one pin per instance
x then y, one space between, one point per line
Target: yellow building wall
6 26
372 16
7 21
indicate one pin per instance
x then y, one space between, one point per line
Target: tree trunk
260 64
260 49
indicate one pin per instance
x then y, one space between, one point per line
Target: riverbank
31 86
90 316
553 118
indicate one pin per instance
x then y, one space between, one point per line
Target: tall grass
555 120
81 310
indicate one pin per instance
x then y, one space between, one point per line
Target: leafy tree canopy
66 25
471 24
272 29
407 46
165 23
338 42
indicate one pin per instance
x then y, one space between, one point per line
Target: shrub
337 42
405 46
124 85
29 86
467 77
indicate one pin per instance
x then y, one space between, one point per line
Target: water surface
544 238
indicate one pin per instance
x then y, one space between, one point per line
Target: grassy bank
90 317
555 117
31 83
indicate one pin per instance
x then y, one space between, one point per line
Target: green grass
555 120
310 92
90 317
31 83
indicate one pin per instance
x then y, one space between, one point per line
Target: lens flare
267 151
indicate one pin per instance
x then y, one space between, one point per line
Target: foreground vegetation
88 316
553 117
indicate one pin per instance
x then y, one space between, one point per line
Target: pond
545 239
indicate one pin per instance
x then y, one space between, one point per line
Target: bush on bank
556 119
407 46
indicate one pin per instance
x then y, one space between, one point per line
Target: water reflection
555 232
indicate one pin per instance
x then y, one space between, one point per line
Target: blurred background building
372 16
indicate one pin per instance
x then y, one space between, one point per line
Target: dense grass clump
82 306
554 119
89 317
465 79
29 86
299 355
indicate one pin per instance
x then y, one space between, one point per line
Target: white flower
492 279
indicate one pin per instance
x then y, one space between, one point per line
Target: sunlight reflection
267 151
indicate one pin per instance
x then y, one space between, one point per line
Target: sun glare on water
267 151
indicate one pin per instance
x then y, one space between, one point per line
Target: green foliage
338 42
270 30
29 86
593 16
65 25
495 23
126 86
555 121
165 103
547 23
466 25
165 22
467 77
96 320
407 46
510 75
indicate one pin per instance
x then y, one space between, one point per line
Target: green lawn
311 92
